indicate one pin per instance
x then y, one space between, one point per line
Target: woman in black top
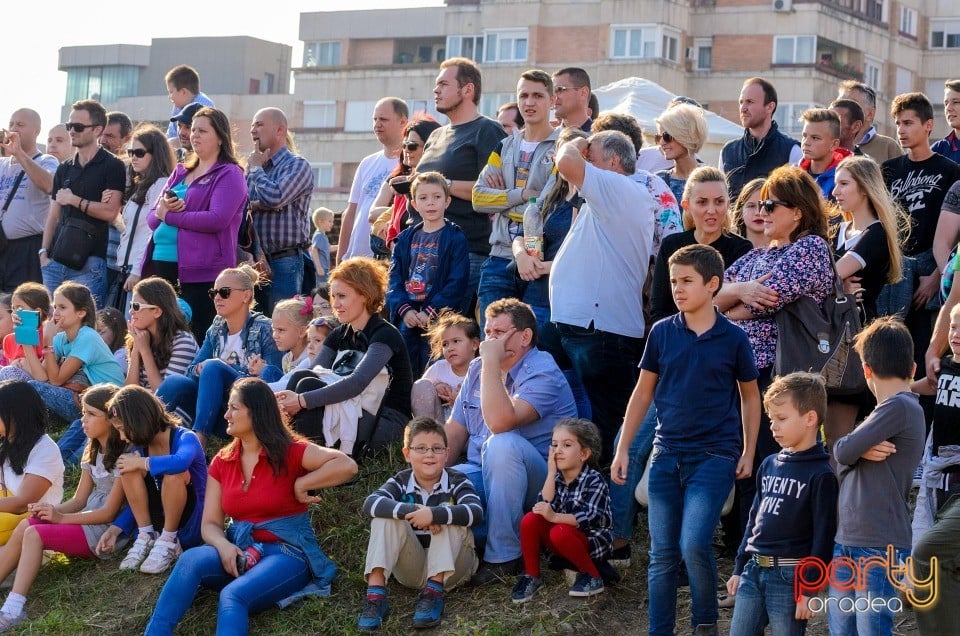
358 350
705 207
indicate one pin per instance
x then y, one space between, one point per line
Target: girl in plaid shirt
572 519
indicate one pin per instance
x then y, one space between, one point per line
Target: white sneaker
162 556
137 553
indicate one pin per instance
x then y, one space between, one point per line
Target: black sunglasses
766 206
667 137
410 145
223 291
139 153
78 127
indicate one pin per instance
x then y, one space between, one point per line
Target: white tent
645 100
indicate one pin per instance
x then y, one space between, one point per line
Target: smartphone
170 195
27 332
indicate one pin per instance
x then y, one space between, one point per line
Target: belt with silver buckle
773 562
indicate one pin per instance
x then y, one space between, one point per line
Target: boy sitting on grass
421 529
793 516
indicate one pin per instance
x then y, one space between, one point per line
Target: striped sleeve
181 355
465 509
385 502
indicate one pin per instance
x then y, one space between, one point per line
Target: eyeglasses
433 450
562 89
78 127
410 145
766 206
223 291
135 306
139 153
666 137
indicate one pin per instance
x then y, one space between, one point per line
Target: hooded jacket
827 178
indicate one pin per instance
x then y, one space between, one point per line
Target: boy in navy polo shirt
696 366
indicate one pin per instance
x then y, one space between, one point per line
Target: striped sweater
453 500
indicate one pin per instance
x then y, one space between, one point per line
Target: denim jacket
256 335
294 530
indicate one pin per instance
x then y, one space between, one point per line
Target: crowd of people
554 322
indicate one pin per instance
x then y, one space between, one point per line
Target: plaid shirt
588 499
282 188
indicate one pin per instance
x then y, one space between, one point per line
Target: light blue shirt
599 272
98 362
199 99
537 380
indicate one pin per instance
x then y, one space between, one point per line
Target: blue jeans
476 262
418 347
549 340
72 443
58 399
607 365
287 278
687 492
280 572
513 473
765 597
847 615
495 283
623 501
211 392
93 275
475 474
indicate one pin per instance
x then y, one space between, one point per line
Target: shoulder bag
115 294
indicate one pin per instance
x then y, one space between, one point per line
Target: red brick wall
752 53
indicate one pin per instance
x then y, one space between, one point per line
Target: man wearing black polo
87 191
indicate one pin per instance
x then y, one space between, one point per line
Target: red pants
563 540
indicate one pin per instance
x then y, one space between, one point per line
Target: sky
31 42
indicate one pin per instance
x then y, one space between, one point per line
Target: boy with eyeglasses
420 531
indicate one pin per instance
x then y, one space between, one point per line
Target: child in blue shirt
698 449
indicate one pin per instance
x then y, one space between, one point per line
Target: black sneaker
620 557
525 588
496 572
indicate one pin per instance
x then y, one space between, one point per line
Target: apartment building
700 48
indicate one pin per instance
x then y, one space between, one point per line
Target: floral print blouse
803 268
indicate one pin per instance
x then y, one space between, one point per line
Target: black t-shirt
459 153
873 253
730 246
920 187
379 330
946 410
103 172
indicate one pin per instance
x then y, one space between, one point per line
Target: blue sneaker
586 585
429 609
371 618
525 588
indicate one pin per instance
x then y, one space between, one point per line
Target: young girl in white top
457 340
290 321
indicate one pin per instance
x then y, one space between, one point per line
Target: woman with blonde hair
681 132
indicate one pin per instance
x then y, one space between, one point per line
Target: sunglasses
667 137
139 153
562 89
766 206
78 127
322 321
410 145
224 292
136 306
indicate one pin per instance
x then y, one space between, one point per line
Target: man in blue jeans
503 418
87 193
596 283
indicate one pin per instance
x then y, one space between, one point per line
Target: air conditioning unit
782 5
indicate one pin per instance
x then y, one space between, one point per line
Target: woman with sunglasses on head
681 133
369 369
197 220
394 194
237 333
151 162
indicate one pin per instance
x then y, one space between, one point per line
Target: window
506 46
419 106
266 86
788 114
702 54
794 49
904 81
490 102
873 73
875 10
322 53
359 117
644 41
468 46
945 34
322 174
103 83
319 114
908 21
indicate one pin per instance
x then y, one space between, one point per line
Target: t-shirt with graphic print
424 257
527 149
920 187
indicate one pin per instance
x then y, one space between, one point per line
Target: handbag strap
837 281
13 190
133 231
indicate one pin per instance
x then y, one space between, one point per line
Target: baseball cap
186 115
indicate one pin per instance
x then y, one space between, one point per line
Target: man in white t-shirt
389 118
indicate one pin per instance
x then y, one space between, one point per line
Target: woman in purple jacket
196 221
